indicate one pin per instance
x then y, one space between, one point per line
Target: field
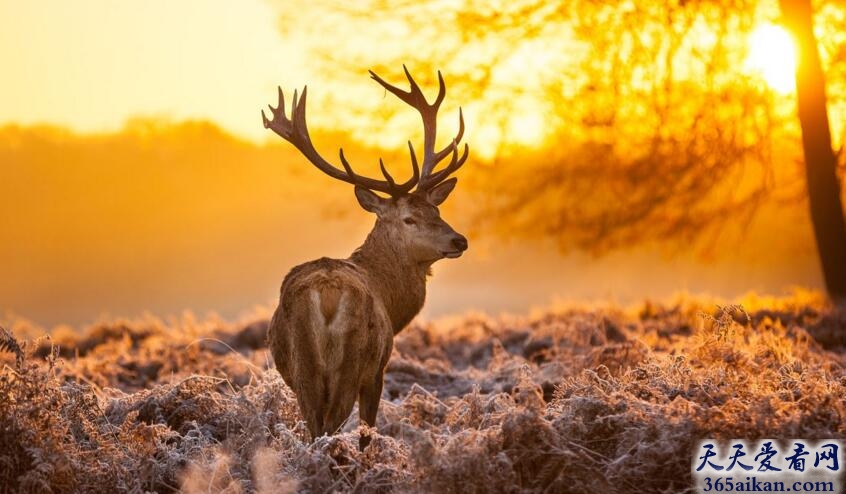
569 399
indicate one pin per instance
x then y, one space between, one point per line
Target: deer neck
399 281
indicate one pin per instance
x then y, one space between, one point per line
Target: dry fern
8 343
570 401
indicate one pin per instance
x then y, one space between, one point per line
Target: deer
332 332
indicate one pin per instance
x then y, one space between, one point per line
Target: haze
136 175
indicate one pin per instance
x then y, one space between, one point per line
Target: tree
824 189
652 130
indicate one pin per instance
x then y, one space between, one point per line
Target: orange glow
138 174
92 65
772 55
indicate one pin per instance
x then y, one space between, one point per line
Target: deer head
408 218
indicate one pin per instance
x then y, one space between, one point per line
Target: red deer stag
333 330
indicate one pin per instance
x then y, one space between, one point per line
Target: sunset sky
110 219
92 64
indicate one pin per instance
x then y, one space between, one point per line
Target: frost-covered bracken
566 400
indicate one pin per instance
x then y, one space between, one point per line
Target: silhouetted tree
652 129
824 189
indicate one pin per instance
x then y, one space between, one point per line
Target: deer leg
369 397
340 405
312 405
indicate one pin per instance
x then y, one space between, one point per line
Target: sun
772 54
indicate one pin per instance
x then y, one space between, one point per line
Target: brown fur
332 333
333 330
330 297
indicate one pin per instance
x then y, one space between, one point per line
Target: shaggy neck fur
399 280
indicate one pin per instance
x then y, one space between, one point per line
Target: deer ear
441 191
369 201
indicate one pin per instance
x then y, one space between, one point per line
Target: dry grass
570 400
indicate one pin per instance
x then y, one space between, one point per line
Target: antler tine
295 131
345 163
385 173
413 97
441 90
455 163
276 113
440 155
415 169
390 185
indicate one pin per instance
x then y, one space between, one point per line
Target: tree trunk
827 213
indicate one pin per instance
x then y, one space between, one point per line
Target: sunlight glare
772 54
527 129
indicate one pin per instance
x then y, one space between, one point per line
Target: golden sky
120 218
91 64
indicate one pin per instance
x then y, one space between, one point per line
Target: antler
429 112
295 131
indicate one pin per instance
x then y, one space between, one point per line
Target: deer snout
460 242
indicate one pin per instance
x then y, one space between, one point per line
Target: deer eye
409 221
